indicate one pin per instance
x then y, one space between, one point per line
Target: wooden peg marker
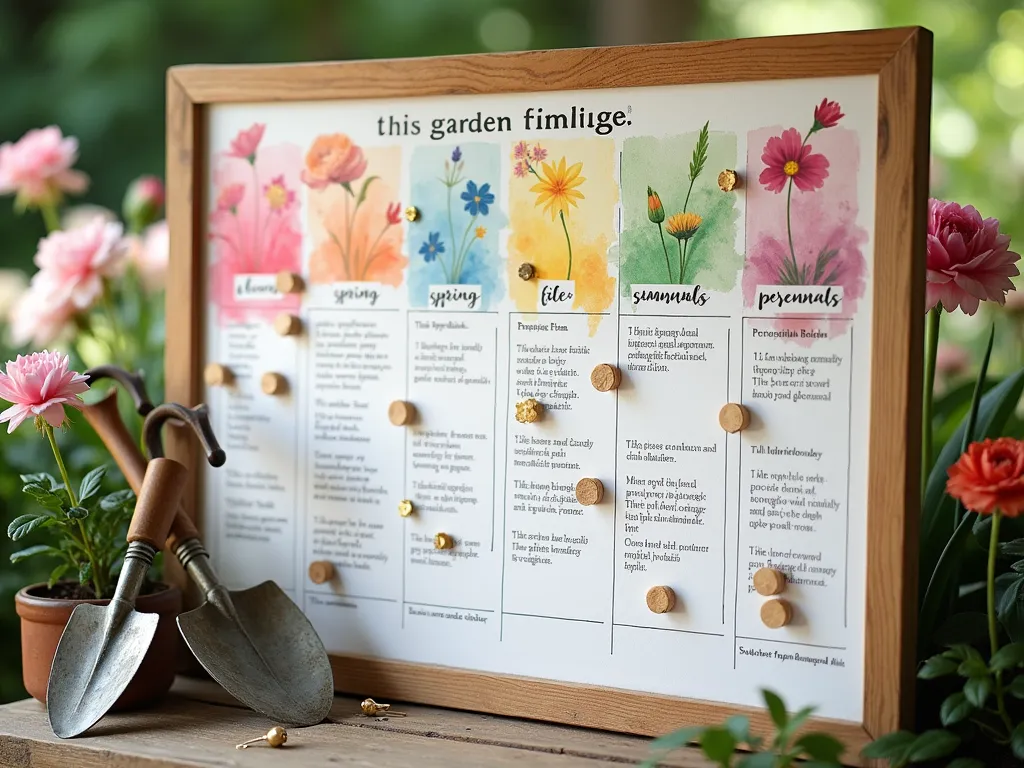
769 581
734 417
287 324
401 413
321 571
589 491
273 384
443 541
217 375
605 377
289 282
661 599
776 613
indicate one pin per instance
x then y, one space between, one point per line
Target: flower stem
568 242
50 216
371 257
664 247
931 346
256 227
60 463
682 263
451 228
464 247
993 637
350 222
789 228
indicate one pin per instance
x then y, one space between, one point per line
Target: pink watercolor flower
519 170
787 157
969 260
40 384
39 316
521 150
38 167
539 153
245 144
394 213
230 197
827 115
277 194
333 159
73 263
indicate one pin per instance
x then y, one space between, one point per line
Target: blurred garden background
96 68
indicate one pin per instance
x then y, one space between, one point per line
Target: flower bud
143 202
655 210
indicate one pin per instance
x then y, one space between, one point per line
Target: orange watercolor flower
333 159
481 232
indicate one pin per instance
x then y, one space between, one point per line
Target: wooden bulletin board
270 169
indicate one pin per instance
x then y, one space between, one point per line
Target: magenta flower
244 145
230 197
787 157
38 167
969 260
73 263
539 153
520 150
40 384
827 115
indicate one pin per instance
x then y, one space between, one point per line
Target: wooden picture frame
900 58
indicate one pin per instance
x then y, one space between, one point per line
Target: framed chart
573 385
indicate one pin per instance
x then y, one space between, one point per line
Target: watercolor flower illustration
790 161
432 247
556 186
335 161
683 225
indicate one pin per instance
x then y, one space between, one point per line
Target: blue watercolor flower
456 155
477 200
432 247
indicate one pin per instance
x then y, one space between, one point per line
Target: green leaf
364 189
739 727
57 573
1018 567
44 479
84 573
955 708
893 746
820 746
1013 548
23 525
937 666
977 690
1017 741
700 153
112 502
77 513
1010 609
91 484
966 762
931 745
973 667
1007 657
776 708
44 497
678 738
1016 688
718 744
759 760
38 549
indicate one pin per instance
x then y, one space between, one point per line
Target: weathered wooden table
199 725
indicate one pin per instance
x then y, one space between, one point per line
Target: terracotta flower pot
43 620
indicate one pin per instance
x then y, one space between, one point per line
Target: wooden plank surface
199 724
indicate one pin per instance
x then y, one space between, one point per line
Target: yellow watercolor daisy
556 190
683 225
481 232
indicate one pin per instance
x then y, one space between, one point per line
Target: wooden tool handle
182 529
159 498
133 383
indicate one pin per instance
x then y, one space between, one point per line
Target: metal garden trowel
102 646
256 643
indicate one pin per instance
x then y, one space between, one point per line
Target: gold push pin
728 180
528 411
275 737
526 271
412 213
405 509
443 541
372 709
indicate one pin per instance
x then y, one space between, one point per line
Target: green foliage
719 743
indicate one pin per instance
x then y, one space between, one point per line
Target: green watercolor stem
668 266
451 228
463 247
372 255
568 242
682 263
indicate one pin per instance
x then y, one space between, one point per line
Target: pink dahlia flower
73 263
38 167
969 261
787 157
245 144
40 384
827 114
39 317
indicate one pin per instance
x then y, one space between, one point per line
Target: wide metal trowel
256 642
102 647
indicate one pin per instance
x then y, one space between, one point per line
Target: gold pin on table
275 737
372 709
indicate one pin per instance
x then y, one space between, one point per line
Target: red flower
245 143
968 259
788 158
827 114
989 477
394 213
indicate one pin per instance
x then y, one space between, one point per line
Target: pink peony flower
787 157
39 316
333 159
143 201
230 197
73 263
968 259
245 144
38 167
827 115
40 384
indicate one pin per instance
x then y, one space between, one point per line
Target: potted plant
87 530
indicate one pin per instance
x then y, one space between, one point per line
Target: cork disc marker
661 599
776 613
217 375
289 282
589 491
321 571
605 377
769 581
734 417
401 413
287 324
273 384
